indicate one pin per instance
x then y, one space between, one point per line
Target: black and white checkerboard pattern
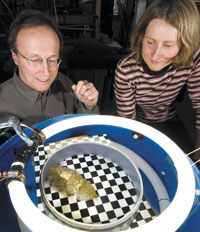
117 195
111 182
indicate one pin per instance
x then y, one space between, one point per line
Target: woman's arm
124 94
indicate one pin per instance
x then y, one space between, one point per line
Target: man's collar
25 90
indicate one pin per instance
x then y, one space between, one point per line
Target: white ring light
168 221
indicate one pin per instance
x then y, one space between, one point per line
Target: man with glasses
37 90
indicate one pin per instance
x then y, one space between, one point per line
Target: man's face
33 44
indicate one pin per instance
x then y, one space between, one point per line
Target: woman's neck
154 73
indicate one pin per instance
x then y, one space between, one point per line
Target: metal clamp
22 154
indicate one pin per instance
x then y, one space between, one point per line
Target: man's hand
86 93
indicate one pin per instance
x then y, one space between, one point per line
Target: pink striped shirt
150 97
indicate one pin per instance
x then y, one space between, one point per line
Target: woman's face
160 44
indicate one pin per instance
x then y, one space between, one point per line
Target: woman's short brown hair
183 15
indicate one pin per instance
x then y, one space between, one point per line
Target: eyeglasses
37 61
